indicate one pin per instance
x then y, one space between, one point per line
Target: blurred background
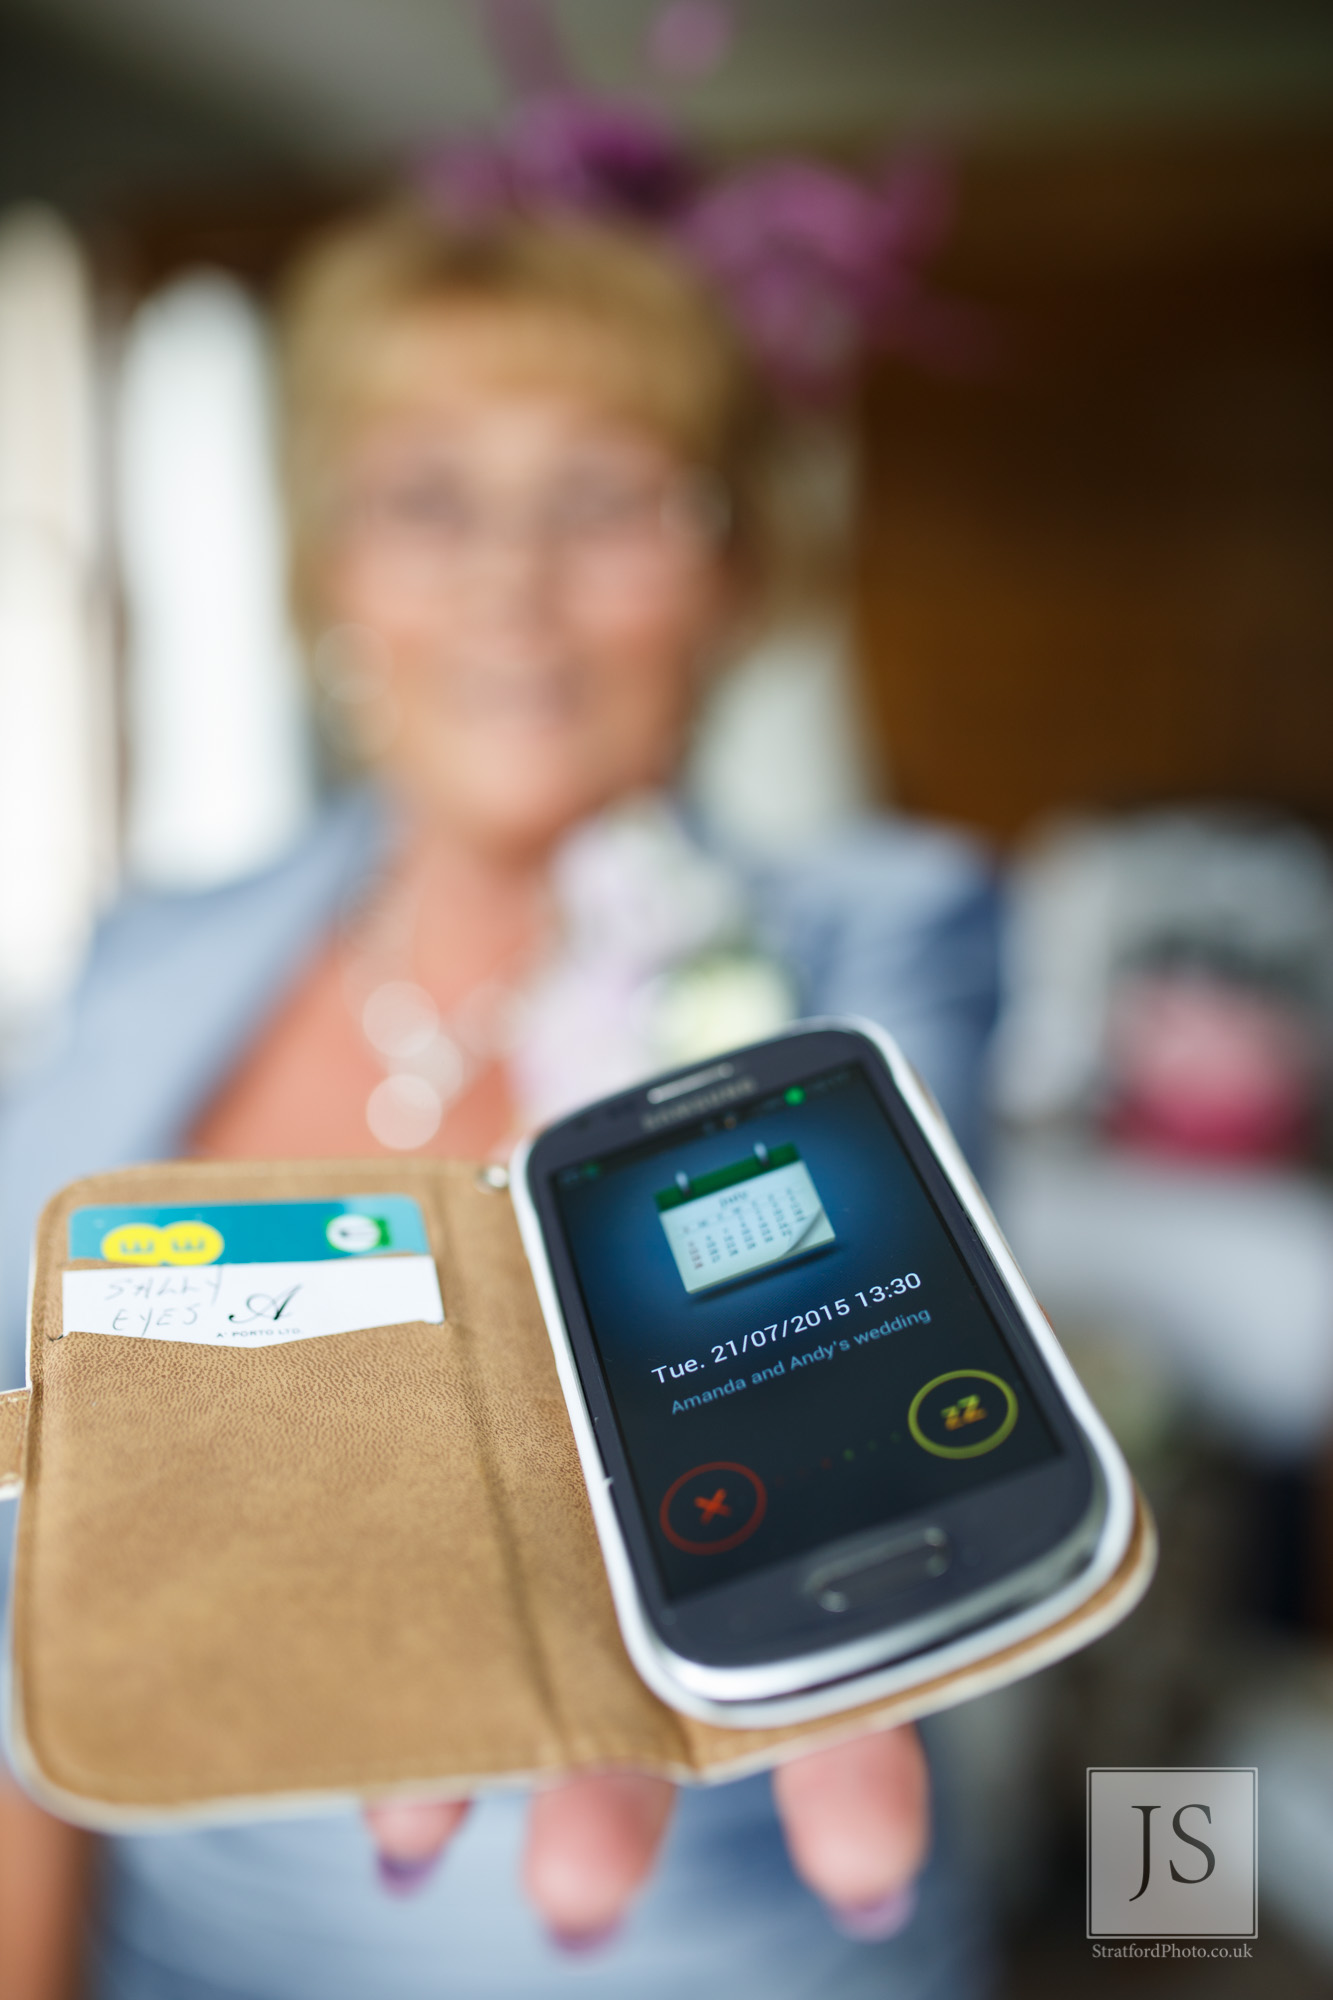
1087 612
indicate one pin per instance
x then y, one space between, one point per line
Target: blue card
250 1232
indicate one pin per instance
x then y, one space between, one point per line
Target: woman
523 463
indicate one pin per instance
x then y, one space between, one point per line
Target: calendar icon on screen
760 1210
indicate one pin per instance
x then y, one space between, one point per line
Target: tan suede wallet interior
357 1564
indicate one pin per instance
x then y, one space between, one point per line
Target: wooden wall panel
1100 572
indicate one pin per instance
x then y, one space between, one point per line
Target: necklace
430 1057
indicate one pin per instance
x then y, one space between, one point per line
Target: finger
592 1842
857 1823
410 1836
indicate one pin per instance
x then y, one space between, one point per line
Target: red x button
713 1508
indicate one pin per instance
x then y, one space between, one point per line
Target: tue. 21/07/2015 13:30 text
809 1321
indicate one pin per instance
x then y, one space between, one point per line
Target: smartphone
831 1443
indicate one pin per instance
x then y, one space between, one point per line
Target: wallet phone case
356 1565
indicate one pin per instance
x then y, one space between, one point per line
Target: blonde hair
613 311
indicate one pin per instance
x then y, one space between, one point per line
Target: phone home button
855 1582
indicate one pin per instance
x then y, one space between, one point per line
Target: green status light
795 1095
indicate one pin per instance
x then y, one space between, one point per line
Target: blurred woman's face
530 588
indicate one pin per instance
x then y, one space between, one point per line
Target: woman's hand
45 1870
856 1819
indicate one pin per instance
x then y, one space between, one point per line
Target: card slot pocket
267 1570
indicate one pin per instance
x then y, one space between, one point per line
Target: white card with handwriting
252 1305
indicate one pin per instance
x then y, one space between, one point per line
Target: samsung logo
679 1086
701 1101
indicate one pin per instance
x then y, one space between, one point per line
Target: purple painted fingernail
403 1877
577 1944
870 1923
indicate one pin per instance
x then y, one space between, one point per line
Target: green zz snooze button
962 1414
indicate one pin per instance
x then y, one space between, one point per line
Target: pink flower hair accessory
816 266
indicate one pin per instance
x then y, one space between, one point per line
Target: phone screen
794 1348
